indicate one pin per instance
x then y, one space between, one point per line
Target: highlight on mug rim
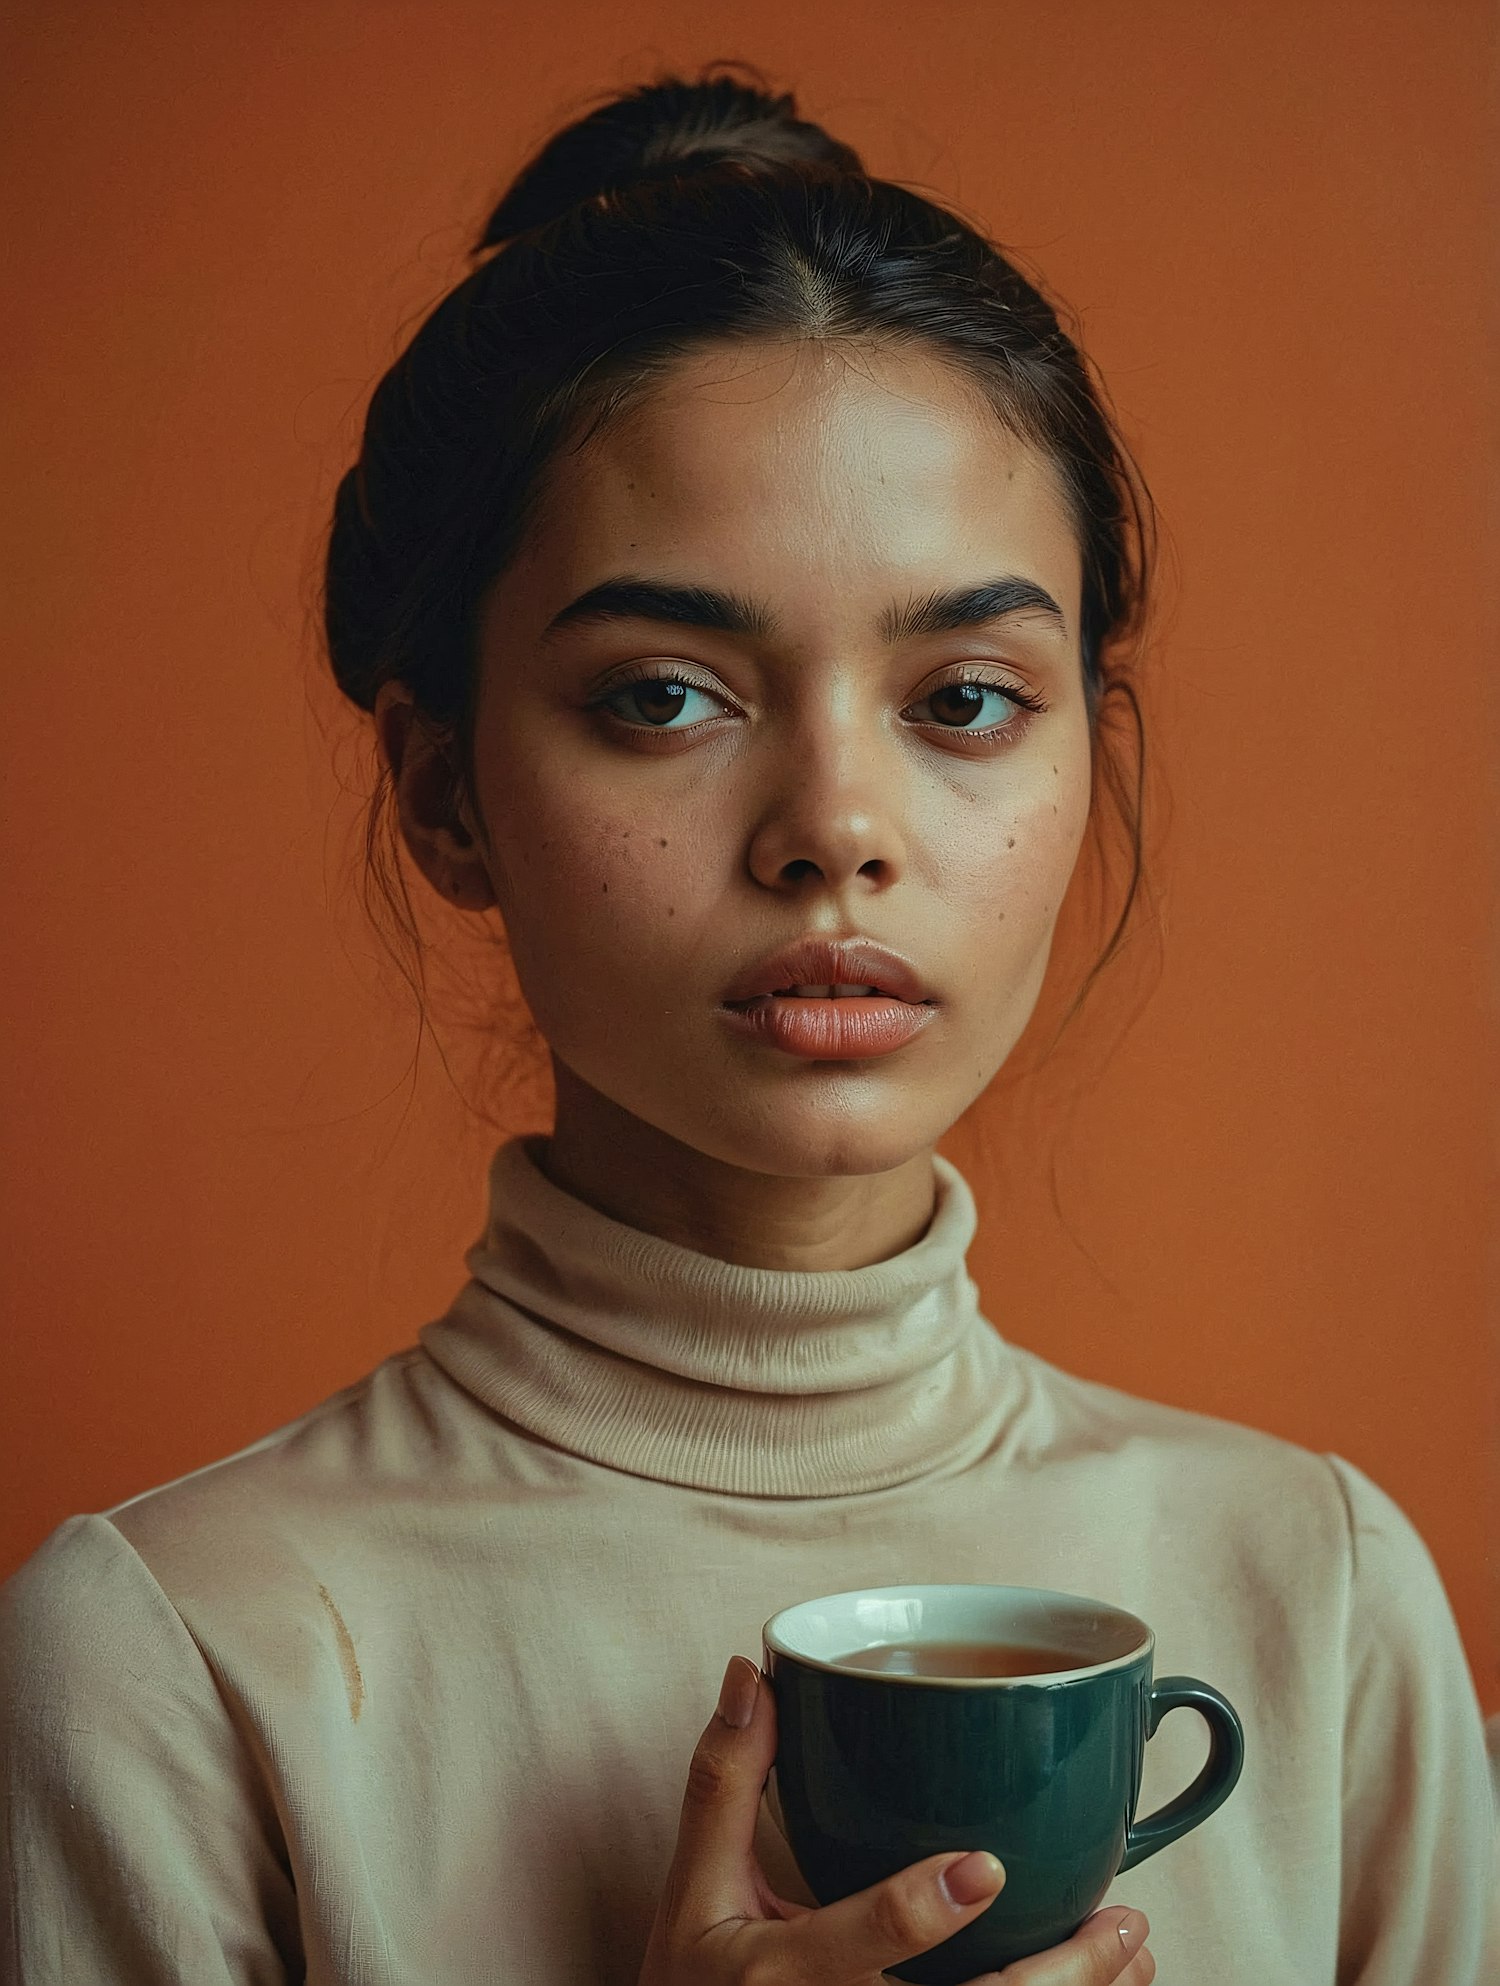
824 1633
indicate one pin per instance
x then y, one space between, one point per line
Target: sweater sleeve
1420 1894
138 1845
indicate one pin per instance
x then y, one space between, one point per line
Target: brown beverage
962 1658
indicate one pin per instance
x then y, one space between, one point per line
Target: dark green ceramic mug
881 1762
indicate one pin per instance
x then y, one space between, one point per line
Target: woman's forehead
781 466
805 408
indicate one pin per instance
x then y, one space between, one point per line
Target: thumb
910 1912
712 1869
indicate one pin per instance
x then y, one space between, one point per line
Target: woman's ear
435 823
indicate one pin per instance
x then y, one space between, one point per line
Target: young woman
735 569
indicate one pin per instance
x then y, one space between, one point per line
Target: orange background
229 1189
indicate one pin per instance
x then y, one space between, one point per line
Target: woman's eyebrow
631 599
636 599
971 606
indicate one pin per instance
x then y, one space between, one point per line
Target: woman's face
820 771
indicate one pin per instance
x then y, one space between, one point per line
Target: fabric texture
406 1690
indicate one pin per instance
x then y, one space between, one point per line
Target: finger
712 1867
909 1912
1107 1949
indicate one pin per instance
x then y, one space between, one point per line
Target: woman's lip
855 960
830 1030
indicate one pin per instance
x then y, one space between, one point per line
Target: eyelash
1030 704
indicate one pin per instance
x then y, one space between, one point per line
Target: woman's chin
787 1118
806 1142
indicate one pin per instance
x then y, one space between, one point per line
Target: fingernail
1133 1931
737 1693
977 1875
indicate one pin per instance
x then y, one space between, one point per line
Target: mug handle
1214 1784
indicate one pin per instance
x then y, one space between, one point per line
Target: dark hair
675 215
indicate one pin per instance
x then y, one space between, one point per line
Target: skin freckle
1011 842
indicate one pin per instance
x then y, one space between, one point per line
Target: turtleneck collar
649 1357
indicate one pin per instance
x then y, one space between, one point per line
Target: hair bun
655 129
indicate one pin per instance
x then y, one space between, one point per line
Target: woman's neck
637 1174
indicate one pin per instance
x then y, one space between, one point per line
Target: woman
735 569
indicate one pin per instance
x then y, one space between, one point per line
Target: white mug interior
824 1633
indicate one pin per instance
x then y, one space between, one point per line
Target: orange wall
224 1197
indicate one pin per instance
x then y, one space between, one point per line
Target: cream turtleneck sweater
404 1693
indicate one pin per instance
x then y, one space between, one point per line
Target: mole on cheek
1011 843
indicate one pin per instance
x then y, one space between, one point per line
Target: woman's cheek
1014 919
584 894
1018 868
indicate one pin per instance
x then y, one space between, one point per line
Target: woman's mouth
832 1019
829 1023
820 992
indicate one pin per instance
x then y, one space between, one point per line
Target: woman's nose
835 818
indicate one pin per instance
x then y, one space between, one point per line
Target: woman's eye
655 701
970 706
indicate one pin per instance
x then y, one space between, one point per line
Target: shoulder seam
86 1524
103 1517
1335 1465
242 1733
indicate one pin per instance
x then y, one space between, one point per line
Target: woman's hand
719 1922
